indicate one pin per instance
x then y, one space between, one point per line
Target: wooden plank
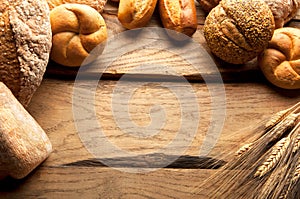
133 58
71 171
81 182
52 107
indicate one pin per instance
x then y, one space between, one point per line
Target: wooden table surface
72 171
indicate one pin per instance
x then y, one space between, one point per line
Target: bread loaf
238 30
135 13
96 4
179 15
23 143
280 62
282 10
77 30
25 39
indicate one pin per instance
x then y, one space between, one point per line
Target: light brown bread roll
23 143
96 4
238 30
77 30
282 10
25 43
179 15
135 13
280 62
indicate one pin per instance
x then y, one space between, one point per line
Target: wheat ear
277 152
277 117
297 144
244 149
288 123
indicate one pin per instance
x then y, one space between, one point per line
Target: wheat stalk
244 149
288 123
277 152
275 119
297 144
296 176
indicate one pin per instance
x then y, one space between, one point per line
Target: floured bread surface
25 46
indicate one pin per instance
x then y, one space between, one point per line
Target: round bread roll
77 30
280 62
238 30
25 39
282 10
96 4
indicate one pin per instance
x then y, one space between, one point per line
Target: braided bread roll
96 4
77 29
280 62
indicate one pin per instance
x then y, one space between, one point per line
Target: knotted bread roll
77 30
280 62
96 4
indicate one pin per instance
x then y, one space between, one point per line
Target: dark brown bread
238 30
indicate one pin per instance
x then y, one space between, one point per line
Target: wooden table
72 172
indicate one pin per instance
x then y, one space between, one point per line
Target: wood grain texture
72 172
230 73
81 182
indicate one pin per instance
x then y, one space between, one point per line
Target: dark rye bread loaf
25 38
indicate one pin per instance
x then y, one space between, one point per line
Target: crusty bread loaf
96 4
25 39
77 30
135 13
280 62
23 143
237 38
282 10
179 15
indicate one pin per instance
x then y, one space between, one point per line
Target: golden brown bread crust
25 38
96 4
77 30
282 10
237 38
179 15
280 62
23 143
135 13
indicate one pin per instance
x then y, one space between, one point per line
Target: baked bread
179 15
23 143
135 13
238 38
77 30
280 62
282 10
96 4
25 39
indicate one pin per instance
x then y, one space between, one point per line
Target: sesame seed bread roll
238 30
282 10
179 15
135 13
280 62
25 38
